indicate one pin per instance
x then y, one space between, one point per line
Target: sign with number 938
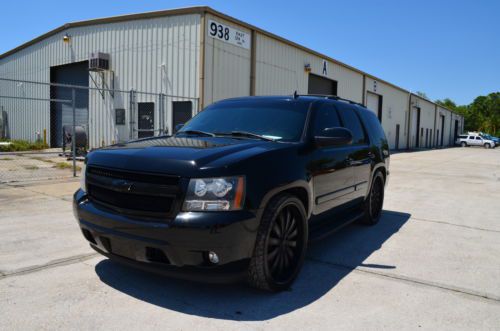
228 34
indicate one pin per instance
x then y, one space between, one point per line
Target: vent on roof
98 61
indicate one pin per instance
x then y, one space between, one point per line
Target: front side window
326 118
280 120
478 138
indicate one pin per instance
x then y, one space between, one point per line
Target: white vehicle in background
474 139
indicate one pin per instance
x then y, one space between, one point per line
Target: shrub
22 145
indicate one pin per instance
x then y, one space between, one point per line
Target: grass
22 145
30 167
6 159
66 165
43 159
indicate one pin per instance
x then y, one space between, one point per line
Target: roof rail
333 97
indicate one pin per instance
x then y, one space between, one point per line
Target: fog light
213 258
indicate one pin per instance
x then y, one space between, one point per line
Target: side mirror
334 137
178 127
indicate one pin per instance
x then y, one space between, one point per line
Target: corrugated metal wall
394 111
152 55
280 70
227 66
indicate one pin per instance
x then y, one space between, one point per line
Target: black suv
238 191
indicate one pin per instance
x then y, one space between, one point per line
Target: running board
325 228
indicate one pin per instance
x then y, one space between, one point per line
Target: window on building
120 116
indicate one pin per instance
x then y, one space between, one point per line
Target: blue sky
443 48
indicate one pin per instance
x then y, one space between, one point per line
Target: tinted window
373 125
478 138
275 119
351 122
326 117
471 137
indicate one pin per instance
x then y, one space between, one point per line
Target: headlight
83 186
215 194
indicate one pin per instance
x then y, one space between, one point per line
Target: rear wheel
463 144
280 245
372 206
487 145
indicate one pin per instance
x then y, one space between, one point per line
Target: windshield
277 120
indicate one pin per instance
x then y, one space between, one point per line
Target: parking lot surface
433 262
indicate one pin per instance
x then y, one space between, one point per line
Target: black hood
186 156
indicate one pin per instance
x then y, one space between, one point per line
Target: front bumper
177 247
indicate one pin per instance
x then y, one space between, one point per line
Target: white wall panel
227 66
394 111
280 70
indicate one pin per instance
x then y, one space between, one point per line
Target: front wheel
463 144
372 206
487 145
280 245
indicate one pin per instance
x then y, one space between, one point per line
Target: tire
276 262
487 146
463 144
372 206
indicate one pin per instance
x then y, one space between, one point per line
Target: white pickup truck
474 139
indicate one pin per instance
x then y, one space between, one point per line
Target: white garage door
372 103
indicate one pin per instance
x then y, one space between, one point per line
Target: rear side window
351 122
373 125
471 137
326 117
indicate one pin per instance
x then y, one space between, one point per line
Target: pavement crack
437 285
453 224
48 265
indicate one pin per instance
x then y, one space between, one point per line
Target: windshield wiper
197 132
244 134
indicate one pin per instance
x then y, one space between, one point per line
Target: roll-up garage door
373 103
62 113
321 85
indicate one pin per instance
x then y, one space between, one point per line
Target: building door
456 131
61 114
181 113
374 103
415 127
146 119
396 146
321 85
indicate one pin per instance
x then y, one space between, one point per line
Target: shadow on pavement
328 262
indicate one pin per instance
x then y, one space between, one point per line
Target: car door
360 155
332 175
478 141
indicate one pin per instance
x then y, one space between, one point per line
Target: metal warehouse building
166 66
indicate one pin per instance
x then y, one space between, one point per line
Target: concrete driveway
433 262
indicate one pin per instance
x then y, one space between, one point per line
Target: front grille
141 194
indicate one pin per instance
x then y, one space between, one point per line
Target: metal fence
46 129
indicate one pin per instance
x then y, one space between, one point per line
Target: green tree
483 114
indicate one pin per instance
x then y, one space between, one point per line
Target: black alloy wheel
372 206
280 244
283 244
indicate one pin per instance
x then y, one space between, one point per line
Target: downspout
409 123
363 94
253 61
435 120
202 61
